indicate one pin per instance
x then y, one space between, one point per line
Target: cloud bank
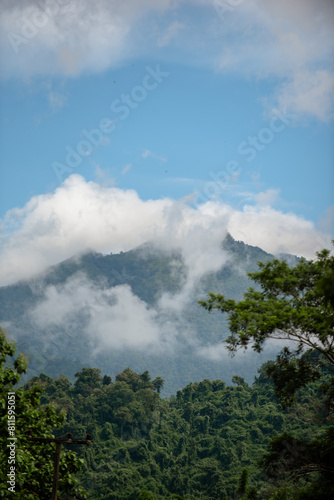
110 317
80 216
290 41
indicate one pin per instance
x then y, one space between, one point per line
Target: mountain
134 309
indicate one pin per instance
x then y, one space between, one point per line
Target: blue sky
225 107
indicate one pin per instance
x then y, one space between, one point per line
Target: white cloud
309 93
68 36
147 153
291 41
57 100
326 221
82 215
198 233
78 216
117 317
268 197
126 168
277 232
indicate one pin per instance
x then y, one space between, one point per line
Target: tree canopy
290 303
31 462
293 304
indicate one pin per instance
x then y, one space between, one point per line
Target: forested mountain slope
137 308
272 440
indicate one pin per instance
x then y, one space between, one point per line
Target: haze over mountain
138 309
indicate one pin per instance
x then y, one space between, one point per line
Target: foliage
205 443
294 304
33 461
202 444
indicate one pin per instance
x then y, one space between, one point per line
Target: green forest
214 439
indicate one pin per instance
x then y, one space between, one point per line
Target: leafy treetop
33 460
293 303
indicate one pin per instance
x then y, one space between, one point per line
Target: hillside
137 308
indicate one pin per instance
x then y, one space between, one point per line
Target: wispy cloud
57 100
147 153
290 42
102 175
71 37
267 198
309 93
126 168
